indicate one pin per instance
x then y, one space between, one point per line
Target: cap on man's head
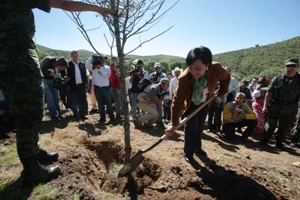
157 64
177 69
245 82
114 58
164 80
61 61
140 62
291 61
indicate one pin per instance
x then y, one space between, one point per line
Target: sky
221 25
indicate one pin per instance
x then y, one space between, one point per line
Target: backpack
143 84
236 117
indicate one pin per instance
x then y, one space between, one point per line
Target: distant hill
252 62
265 60
44 51
85 54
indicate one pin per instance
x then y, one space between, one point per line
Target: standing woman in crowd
259 95
196 84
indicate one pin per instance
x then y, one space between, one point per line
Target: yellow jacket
249 114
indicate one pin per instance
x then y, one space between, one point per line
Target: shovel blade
133 163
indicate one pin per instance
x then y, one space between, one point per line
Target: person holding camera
137 74
100 74
51 68
238 114
149 100
156 77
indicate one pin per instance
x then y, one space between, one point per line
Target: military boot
35 173
47 156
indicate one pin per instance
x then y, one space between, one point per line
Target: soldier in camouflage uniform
281 102
20 79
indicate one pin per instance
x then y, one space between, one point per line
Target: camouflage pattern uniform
20 75
283 105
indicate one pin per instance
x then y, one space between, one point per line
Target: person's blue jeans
193 130
159 118
52 99
78 101
116 93
229 128
103 98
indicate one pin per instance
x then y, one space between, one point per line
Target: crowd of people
260 105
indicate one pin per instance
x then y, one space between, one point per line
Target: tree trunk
120 51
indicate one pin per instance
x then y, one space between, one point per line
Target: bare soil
92 153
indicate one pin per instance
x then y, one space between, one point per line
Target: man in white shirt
233 87
100 74
174 82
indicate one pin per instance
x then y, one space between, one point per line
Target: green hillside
252 62
45 51
265 60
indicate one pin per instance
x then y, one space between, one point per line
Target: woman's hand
169 131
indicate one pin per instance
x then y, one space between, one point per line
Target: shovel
138 157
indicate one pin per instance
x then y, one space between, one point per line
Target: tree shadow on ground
220 183
50 125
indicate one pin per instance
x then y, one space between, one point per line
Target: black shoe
3 136
84 118
60 117
244 139
112 120
55 118
264 141
35 173
102 120
47 156
201 152
189 159
279 145
94 110
239 130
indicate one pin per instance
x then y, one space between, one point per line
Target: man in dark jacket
79 85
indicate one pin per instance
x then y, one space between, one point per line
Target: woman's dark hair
202 53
